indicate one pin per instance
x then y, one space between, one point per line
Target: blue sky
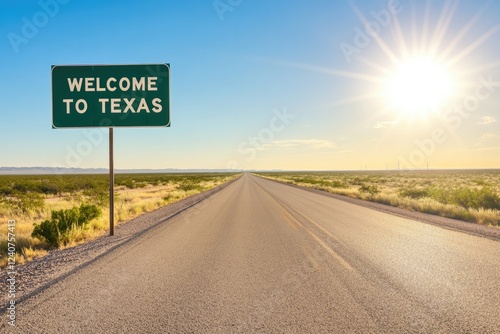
263 84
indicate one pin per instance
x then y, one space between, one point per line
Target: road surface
263 257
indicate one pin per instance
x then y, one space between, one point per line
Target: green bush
55 231
489 199
24 202
359 181
129 183
469 198
414 193
98 196
187 186
338 184
371 189
485 198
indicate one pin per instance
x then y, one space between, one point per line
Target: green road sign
110 96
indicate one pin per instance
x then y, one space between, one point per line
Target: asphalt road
263 257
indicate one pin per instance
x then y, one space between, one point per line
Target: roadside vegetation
58 211
468 195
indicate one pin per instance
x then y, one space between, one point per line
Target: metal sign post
111 186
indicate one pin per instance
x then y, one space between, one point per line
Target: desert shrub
489 199
469 198
129 183
98 196
371 189
480 182
55 231
359 181
414 193
484 198
24 202
187 186
338 184
6 190
47 188
466 197
318 181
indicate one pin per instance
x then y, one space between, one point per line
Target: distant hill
55 170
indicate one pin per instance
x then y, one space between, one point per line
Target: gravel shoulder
34 276
489 232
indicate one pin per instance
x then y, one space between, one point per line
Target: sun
419 86
420 72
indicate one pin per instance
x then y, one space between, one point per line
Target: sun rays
422 72
422 68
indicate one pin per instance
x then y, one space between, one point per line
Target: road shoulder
492 233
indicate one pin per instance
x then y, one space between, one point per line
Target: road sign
110 96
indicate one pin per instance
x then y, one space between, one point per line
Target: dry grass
469 195
129 203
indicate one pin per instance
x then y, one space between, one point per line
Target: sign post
110 96
111 185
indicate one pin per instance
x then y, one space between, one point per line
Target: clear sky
261 84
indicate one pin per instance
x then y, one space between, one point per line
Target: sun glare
424 70
419 86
